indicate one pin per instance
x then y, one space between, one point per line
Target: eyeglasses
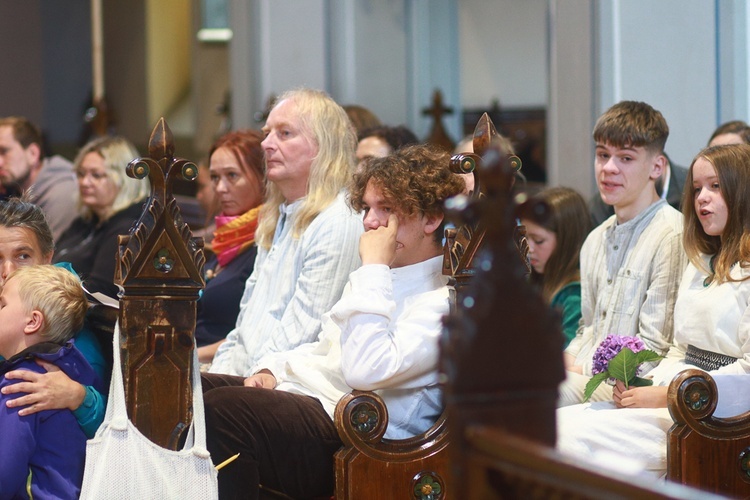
95 175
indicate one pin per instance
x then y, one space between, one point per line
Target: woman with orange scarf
236 170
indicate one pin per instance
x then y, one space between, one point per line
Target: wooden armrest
692 400
361 420
705 451
369 467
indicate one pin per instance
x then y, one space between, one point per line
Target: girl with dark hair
555 239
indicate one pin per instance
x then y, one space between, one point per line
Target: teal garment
568 302
90 414
86 342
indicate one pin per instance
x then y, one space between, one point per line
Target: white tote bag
122 463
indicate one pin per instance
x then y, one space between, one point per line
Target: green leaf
623 366
646 356
593 383
640 382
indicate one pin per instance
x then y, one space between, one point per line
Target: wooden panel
160 273
704 451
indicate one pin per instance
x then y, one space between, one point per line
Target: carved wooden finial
484 133
161 143
159 272
499 315
463 242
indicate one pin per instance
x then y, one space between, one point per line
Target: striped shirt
292 285
630 274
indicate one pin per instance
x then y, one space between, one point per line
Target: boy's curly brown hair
415 180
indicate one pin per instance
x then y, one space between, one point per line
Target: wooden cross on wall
438 136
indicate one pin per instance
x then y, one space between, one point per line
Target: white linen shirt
292 285
382 335
630 274
715 318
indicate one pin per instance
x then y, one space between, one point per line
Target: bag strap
116 401
117 409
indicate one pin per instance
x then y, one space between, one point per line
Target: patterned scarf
234 234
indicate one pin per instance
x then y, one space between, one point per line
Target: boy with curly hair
41 307
382 335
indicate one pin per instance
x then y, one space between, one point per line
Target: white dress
714 318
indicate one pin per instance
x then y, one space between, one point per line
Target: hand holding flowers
618 357
654 396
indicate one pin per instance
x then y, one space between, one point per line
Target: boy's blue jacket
44 453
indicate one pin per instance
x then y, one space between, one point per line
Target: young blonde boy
41 307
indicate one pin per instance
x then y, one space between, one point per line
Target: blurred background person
360 117
46 181
109 202
732 132
382 140
204 195
555 239
236 175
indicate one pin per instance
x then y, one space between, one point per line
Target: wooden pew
160 272
705 451
370 467
500 356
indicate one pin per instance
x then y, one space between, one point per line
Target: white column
570 116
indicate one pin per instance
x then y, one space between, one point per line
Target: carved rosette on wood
159 271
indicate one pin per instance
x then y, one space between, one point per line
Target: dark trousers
286 441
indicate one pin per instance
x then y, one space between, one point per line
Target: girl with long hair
555 238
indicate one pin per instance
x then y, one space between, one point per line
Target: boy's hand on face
378 246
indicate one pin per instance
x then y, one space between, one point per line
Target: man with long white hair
308 236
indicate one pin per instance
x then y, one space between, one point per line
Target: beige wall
168 35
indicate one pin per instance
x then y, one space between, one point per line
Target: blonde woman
109 202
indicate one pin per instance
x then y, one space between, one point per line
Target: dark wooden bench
370 467
500 359
706 451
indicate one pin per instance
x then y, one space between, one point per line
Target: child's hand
378 246
652 396
43 391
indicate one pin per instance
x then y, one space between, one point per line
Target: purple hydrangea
609 348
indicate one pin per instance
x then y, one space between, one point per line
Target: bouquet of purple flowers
618 357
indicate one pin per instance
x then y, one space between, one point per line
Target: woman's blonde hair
117 152
732 165
325 123
57 294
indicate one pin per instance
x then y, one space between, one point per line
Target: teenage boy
41 307
382 335
631 264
